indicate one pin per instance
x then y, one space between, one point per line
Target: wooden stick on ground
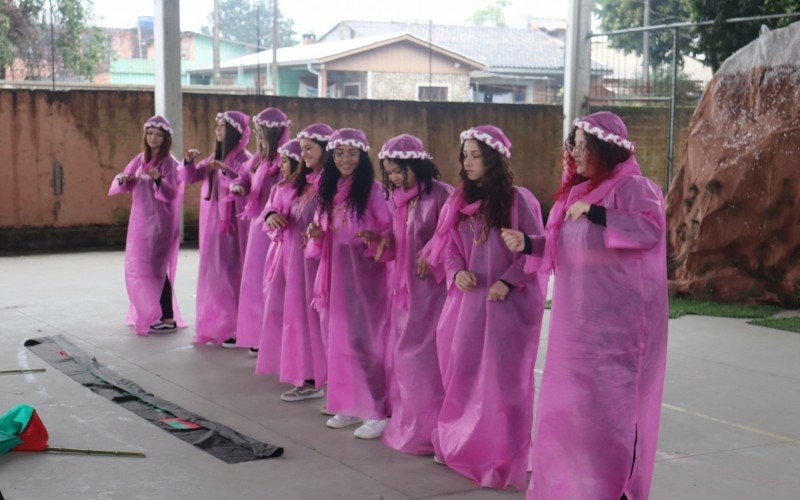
97 452
29 370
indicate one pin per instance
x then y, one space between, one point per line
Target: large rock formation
733 209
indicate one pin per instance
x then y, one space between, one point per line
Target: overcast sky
318 16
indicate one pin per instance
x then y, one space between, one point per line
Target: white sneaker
438 460
371 429
342 421
301 393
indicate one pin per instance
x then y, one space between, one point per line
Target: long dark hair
232 138
163 151
425 171
363 177
300 181
496 190
221 150
273 136
604 154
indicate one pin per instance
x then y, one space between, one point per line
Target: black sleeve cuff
268 215
528 245
506 283
597 215
158 182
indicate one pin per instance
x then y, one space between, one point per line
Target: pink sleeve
245 179
636 218
167 189
529 221
382 224
438 270
314 246
453 258
130 169
191 172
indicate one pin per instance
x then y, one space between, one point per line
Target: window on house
351 91
432 93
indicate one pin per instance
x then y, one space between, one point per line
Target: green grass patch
679 306
788 324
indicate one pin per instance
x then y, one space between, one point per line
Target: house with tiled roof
396 65
521 65
412 61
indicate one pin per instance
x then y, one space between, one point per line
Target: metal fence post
673 97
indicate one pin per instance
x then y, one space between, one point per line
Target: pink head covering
158 121
272 118
239 121
491 136
317 131
291 149
349 137
404 147
607 127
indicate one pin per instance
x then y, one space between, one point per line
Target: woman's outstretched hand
514 240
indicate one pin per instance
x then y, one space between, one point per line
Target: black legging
166 300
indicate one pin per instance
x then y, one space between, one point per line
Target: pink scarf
266 170
322 282
434 250
401 199
547 262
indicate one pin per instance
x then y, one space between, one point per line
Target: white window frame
432 85
351 84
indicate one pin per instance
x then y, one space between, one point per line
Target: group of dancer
415 307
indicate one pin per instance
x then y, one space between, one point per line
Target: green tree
713 44
240 19
720 40
622 14
492 15
25 35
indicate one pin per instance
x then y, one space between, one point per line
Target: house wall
401 57
403 86
64 148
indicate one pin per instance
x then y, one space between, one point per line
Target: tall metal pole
577 60
258 47
275 43
671 137
217 75
52 48
168 96
646 50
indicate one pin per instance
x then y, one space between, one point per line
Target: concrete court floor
730 421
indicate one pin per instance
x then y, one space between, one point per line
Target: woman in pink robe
350 234
417 294
600 400
488 334
153 239
223 237
255 183
291 339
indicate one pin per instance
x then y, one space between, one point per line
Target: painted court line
743 427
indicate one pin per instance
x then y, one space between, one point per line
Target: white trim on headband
604 135
486 138
315 136
155 124
405 155
285 152
348 142
230 120
285 123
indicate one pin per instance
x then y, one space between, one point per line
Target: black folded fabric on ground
211 437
